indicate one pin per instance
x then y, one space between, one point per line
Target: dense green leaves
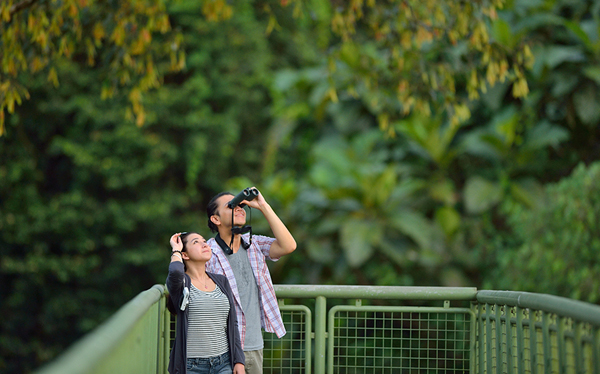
559 241
271 96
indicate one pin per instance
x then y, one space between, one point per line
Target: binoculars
246 194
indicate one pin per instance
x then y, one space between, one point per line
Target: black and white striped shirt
207 323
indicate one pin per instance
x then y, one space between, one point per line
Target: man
241 258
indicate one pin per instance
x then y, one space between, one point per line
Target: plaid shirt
270 317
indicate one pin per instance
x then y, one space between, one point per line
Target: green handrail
503 336
96 352
375 292
536 333
562 306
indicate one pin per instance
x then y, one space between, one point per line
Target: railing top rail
84 355
578 310
375 292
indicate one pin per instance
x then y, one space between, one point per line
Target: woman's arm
175 279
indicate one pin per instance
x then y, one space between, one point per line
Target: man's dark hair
211 210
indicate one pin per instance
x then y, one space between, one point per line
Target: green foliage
422 56
559 240
116 37
88 200
283 102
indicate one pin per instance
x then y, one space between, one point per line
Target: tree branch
20 6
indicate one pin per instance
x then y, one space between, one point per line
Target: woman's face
196 248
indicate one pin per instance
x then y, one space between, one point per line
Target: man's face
224 212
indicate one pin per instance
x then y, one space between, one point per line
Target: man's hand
239 369
284 243
258 202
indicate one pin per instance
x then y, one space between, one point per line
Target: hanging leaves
424 56
116 37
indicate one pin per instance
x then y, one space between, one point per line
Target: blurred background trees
396 143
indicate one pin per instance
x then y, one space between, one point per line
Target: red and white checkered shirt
270 317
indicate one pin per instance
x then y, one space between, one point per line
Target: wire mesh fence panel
400 341
291 353
533 341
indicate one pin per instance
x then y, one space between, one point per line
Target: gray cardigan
176 281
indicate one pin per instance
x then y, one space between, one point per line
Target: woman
207 340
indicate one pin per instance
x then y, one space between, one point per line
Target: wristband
177 255
175 250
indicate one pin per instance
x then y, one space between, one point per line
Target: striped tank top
207 323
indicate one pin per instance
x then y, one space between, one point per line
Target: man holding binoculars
241 257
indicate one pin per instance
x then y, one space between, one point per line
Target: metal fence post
320 334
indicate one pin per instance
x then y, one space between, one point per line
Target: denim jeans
211 365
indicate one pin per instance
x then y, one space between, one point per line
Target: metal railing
361 338
133 340
361 329
522 332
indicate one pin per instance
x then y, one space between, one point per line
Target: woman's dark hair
183 238
211 210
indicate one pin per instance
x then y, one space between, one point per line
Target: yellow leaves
332 94
439 16
11 94
180 61
472 85
272 25
520 86
492 73
107 91
37 64
407 104
525 57
423 35
5 11
91 51
99 33
2 121
37 37
31 22
73 11
480 37
162 24
384 125
498 3
406 40
118 34
460 114
337 22
491 12
216 10
177 60
66 47
42 39
135 97
384 121
53 77
139 46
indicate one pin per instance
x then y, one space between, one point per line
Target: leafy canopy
401 56
426 56
131 41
